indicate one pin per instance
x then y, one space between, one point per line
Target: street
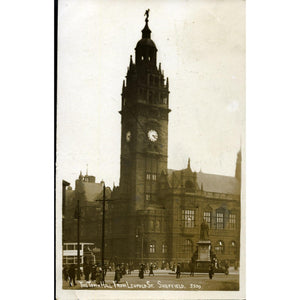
164 280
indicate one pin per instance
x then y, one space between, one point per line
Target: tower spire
146 32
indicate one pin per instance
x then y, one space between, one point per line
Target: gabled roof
207 182
218 183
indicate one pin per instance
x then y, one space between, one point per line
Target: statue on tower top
147 15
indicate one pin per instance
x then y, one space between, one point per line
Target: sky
201 47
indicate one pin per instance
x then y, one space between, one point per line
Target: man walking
72 272
178 272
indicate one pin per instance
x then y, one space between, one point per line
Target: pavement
164 280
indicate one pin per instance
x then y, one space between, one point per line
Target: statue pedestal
203 259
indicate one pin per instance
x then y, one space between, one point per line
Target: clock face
152 135
128 136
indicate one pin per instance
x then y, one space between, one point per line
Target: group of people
91 272
143 269
97 273
214 265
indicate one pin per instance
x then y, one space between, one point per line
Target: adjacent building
83 204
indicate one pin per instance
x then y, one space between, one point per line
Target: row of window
219 247
151 176
188 218
155 226
188 248
152 248
153 97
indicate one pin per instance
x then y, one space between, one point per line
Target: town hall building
155 213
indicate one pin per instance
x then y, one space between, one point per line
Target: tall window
188 247
220 220
152 248
188 217
151 225
151 176
233 247
157 226
148 197
232 221
207 217
164 248
219 248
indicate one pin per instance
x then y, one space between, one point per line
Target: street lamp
141 234
77 216
103 227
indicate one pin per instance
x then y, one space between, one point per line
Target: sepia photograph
150 149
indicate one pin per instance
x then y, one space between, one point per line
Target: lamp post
140 233
103 229
77 216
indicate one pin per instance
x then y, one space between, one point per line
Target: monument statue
204 231
147 15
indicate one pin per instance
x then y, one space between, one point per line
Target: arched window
164 248
219 248
188 247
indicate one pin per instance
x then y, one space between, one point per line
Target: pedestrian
192 268
93 273
123 272
86 271
72 272
141 272
178 272
211 269
226 267
117 274
99 275
105 270
151 270
65 273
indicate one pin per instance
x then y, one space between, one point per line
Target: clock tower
144 134
144 154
